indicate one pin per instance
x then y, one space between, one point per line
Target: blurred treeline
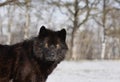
93 26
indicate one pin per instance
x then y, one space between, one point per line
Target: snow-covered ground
86 71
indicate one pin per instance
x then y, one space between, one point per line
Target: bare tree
102 23
76 21
104 26
104 20
74 14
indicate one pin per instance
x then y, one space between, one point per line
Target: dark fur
32 60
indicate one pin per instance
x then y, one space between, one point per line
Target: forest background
93 26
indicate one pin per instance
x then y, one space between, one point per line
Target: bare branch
7 2
98 22
87 15
118 1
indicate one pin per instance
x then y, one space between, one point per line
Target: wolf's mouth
51 59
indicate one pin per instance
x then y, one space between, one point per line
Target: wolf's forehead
52 40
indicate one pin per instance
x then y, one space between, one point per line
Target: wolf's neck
47 67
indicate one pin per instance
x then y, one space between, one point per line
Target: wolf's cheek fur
37 50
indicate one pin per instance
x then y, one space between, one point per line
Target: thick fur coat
34 59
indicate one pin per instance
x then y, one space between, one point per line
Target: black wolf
34 59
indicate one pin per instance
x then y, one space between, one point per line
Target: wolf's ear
62 34
42 32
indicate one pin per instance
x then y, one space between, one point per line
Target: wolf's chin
53 60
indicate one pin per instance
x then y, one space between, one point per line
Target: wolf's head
50 45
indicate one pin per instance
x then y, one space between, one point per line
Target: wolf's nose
52 46
52 54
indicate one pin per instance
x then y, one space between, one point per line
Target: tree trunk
9 25
103 49
1 32
73 56
27 24
75 27
104 33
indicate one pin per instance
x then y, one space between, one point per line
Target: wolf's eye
58 46
46 45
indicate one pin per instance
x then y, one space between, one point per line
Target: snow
86 71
